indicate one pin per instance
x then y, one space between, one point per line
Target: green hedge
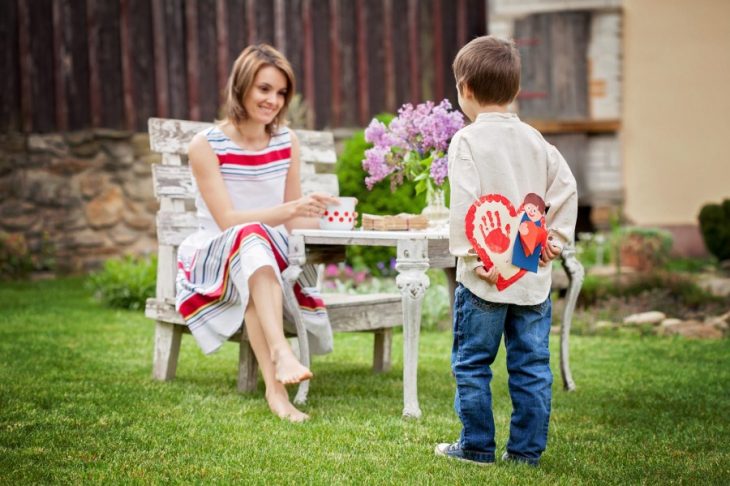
715 227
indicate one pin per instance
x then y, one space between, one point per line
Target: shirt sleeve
561 198
465 189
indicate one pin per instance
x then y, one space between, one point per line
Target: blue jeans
478 328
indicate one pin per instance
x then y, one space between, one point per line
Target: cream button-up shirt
499 154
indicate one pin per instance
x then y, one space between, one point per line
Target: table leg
411 264
575 272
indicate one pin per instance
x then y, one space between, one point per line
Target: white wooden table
417 251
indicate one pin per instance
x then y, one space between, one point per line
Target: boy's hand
550 251
490 276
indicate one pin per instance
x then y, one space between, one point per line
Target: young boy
501 160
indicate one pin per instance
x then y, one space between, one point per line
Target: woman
246 169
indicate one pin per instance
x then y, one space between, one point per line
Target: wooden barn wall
76 64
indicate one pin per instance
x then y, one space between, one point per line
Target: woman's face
267 95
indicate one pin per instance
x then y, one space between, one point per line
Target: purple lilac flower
376 165
439 170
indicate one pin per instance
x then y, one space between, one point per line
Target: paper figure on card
531 234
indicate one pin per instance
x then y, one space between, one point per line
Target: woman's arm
293 191
205 168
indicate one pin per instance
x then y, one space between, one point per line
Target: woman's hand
312 205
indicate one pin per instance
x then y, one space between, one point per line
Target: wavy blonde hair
244 71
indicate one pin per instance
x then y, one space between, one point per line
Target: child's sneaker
507 457
454 451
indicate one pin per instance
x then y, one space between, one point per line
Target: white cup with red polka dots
339 216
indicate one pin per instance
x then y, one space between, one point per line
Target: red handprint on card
495 237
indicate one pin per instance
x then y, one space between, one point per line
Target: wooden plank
207 75
308 61
322 79
175 36
349 313
26 67
176 182
110 68
174 227
451 46
574 148
413 64
159 48
362 61
461 22
192 58
375 59
10 88
60 66
223 63
335 73
126 55
280 14
389 64
425 49
401 53
317 147
251 22
349 66
236 26
294 47
142 63
569 37
265 22
438 52
533 41
173 136
573 126
76 64
41 53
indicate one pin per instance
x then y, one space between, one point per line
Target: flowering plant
412 146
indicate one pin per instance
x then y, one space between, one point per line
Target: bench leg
382 346
248 367
167 350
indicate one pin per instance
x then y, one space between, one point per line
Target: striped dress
214 266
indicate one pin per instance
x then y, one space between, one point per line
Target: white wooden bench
173 185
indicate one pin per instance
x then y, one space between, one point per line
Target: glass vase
436 211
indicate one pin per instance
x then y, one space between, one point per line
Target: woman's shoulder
282 135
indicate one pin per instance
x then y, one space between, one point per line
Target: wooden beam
191 43
335 70
251 21
574 126
308 51
223 66
162 101
413 64
362 60
389 56
280 25
59 57
94 78
26 66
460 23
438 51
130 115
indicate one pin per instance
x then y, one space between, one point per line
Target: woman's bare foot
279 403
287 368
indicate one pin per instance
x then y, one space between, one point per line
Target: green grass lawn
77 405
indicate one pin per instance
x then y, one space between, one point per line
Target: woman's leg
266 294
276 394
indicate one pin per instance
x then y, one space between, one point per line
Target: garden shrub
715 227
126 283
381 200
644 248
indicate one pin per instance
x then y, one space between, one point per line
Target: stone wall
83 197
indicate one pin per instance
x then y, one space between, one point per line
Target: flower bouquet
414 146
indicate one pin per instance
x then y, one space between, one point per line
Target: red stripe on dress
196 301
254 160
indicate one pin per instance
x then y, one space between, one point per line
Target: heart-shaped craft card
492 223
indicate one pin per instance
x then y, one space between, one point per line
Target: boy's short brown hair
490 67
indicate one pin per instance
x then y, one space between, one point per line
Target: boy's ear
466 91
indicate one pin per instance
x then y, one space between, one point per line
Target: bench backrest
173 185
